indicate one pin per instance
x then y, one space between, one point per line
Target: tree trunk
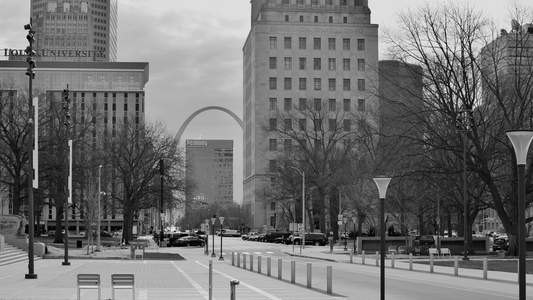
17 201
128 221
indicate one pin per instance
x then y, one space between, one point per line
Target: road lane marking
253 288
192 282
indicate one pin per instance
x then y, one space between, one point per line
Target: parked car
270 237
51 233
229 232
426 240
317 239
500 243
173 236
188 241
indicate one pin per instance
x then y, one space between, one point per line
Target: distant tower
75 30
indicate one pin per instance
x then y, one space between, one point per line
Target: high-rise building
210 165
301 49
75 30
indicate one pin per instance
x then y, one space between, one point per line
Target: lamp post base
213 255
221 258
65 263
30 276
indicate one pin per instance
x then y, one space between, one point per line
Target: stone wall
21 242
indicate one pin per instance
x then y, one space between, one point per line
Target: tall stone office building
301 49
75 30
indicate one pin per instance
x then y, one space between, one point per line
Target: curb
313 257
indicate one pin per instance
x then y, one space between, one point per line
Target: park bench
122 281
402 250
89 281
392 250
433 251
138 245
445 251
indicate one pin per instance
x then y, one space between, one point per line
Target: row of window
315 2
302 123
317 103
330 19
317 43
317 84
317 63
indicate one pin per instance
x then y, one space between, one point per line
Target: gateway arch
189 119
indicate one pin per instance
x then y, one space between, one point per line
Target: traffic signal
66 106
29 51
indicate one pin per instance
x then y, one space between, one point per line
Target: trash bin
78 244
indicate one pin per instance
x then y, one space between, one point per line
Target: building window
316 19
273 221
288 63
346 64
316 43
272 125
301 18
303 62
288 42
302 43
288 124
343 3
302 104
285 2
346 84
317 84
273 83
331 19
344 20
346 44
302 84
303 124
273 103
287 83
300 2
329 2
287 143
317 102
360 44
286 18
360 85
347 125
287 104
346 104
332 64
317 63
272 166
273 42
331 43
273 62
332 105
272 144
332 125
332 84
361 104
314 2
272 205
360 65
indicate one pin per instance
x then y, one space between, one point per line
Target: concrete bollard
485 267
392 260
377 258
279 268
431 263
210 279
251 262
309 275
238 260
329 288
351 257
455 266
293 271
259 264
363 256
232 258
233 284
269 266
244 261
410 261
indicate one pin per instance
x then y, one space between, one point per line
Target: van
230 232
317 239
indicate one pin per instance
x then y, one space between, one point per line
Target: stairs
12 255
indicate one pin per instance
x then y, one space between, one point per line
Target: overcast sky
194 48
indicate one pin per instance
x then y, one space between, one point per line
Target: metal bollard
251 262
329 288
309 275
377 258
210 279
244 261
269 265
485 267
259 264
410 261
238 260
392 260
233 284
351 257
232 258
363 256
293 271
431 263
456 266
279 268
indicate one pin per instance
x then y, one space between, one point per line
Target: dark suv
500 243
271 236
426 240
317 239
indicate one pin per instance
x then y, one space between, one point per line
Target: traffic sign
339 217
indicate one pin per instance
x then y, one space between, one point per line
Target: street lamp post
463 125
303 204
206 237
345 237
521 139
99 195
213 219
221 219
354 219
382 182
